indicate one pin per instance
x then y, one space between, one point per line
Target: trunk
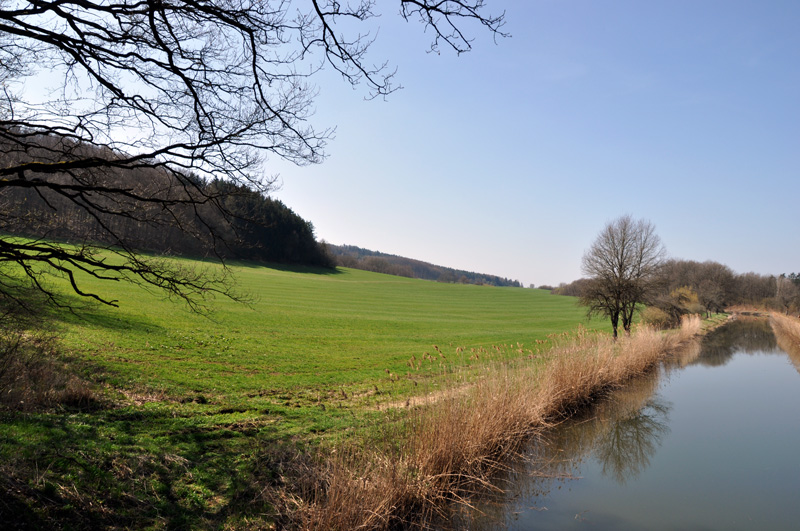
627 321
626 325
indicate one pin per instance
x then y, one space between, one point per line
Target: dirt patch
424 400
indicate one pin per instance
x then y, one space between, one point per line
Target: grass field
196 405
309 335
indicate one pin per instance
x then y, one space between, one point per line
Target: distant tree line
628 273
688 286
206 218
359 258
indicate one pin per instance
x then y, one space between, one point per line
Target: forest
204 218
192 216
378 262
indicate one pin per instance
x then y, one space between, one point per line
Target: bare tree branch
127 110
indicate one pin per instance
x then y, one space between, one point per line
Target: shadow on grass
129 468
289 268
83 312
248 263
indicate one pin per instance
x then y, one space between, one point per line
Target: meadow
197 415
310 335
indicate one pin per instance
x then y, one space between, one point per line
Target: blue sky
509 159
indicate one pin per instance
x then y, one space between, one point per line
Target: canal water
711 443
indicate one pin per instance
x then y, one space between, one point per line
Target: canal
711 442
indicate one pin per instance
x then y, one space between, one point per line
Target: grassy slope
307 331
309 357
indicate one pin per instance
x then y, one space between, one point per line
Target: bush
657 318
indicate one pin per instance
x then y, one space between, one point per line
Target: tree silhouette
623 265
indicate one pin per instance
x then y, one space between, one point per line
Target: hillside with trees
121 116
359 258
185 215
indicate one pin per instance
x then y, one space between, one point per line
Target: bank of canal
713 445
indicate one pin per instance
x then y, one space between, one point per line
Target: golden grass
787 332
444 451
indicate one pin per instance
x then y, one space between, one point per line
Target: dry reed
32 377
787 333
455 446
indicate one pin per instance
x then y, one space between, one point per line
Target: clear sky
509 160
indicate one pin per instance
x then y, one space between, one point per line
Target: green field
193 404
305 331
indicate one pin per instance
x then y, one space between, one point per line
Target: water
714 445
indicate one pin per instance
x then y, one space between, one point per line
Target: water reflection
619 438
622 433
746 334
627 448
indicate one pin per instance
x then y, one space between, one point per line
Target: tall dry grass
32 377
787 333
449 449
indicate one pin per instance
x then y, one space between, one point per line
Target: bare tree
713 282
622 265
787 294
193 90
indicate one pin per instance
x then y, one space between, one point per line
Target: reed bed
787 333
444 452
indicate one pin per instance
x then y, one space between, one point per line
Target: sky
510 159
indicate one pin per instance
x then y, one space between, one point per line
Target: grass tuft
33 378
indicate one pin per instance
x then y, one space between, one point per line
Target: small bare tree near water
623 266
787 294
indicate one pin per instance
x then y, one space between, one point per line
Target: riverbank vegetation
686 286
628 274
442 453
266 415
787 332
627 270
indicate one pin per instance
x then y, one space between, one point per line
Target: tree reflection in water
622 432
746 334
625 451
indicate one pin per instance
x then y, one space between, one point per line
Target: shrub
657 318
